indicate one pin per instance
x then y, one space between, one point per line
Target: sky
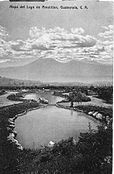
64 35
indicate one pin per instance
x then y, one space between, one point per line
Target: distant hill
49 70
15 82
97 83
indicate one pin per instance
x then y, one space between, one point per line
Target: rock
106 127
11 122
107 118
11 119
11 135
11 126
43 101
17 143
95 113
12 140
15 133
99 116
90 113
74 141
20 147
51 144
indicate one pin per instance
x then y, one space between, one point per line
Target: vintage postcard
56 87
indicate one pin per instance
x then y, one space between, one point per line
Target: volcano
50 70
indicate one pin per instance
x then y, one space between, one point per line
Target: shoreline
10 113
103 120
48 157
19 96
77 110
27 109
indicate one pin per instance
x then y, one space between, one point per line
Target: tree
71 98
77 97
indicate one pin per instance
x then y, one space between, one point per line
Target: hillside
15 82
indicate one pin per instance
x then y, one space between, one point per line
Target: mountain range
50 70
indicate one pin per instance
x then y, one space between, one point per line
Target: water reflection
71 112
40 126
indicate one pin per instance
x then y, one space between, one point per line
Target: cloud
59 37
4 60
107 33
18 45
3 32
106 43
59 44
77 30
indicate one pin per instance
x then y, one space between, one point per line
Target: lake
50 123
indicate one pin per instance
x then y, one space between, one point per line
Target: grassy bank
8 148
103 110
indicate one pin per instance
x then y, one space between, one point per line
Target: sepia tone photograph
56 87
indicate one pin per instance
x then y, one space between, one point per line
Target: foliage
95 147
104 92
77 97
2 92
